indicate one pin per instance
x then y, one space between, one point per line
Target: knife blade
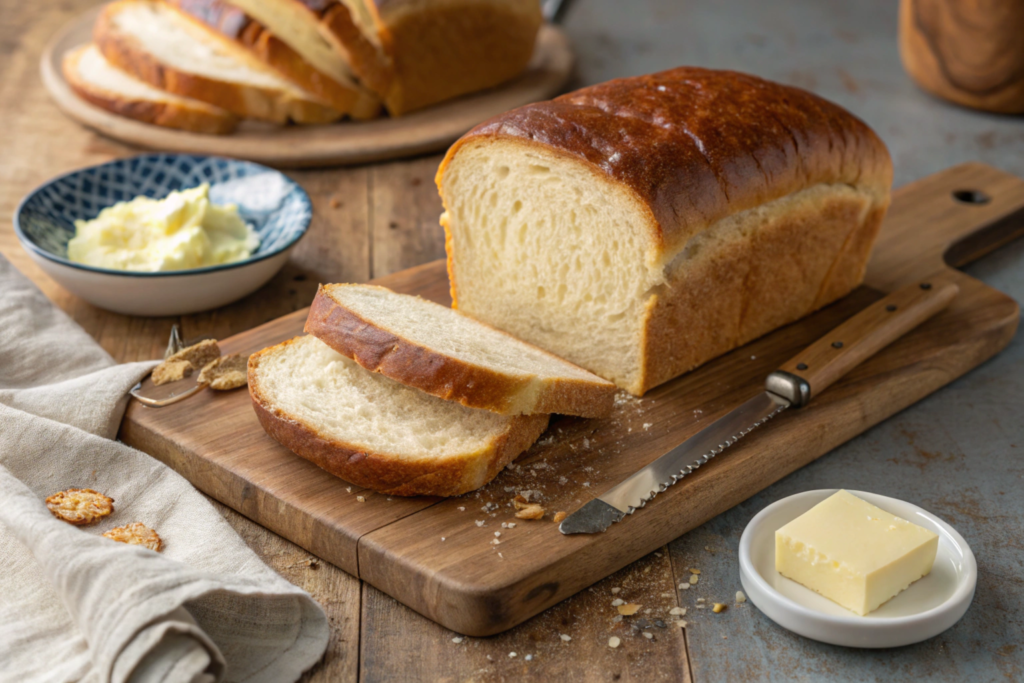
791 386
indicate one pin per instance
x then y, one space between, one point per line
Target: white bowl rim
28 244
964 589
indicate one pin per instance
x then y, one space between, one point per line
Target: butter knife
791 386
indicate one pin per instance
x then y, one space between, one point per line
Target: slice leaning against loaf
442 352
157 45
238 32
375 432
96 81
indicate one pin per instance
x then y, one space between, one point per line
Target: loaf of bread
238 31
95 80
444 353
375 432
413 53
156 44
644 226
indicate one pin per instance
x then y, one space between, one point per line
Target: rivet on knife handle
859 338
793 385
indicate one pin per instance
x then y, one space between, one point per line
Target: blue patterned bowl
277 208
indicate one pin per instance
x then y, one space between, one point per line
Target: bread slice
410 52
375 432
157 45
96 81
442 352
239 32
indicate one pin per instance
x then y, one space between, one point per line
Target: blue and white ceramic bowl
277 208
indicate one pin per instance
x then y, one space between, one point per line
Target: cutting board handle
950 218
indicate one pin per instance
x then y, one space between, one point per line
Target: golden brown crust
242 30
80 506
447 48
754 286
197 117
247 101
438 374
696 145
368 62
384 472
136 533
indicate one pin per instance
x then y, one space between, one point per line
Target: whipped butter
181 231
854 553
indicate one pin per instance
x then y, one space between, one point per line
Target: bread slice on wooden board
238 31
644 226
375 432
326 37
154 43
95 80
412 53
442 352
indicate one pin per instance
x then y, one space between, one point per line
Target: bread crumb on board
183 363
136 533
614 642
719 607
80 506
226 373
628 610
526 509
559 516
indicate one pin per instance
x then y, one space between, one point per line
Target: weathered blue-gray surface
959 453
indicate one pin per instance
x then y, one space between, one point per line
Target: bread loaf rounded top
696 145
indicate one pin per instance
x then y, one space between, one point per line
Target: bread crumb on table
740 598
457 639
614 642
628 610
564 637
719 607
618 601
136 533
80 506
360 499
694 579
559 516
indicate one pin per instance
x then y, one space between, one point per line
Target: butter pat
854 553
181 231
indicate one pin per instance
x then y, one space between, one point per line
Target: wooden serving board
433 555
345 142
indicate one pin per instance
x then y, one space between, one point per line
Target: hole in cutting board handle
971 197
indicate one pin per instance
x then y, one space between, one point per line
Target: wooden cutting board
438 555
345 142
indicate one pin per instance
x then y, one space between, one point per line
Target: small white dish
927 608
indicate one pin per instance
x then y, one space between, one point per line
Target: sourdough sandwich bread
444 353
641 227
376 432
239 32
158 45
96 81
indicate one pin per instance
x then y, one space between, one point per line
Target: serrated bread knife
791 386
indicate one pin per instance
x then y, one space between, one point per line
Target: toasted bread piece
442 352
199 355
237 31
80 506
226 372
156 44
95 80
136 533
375 432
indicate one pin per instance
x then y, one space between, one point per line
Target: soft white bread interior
375 432
95 80
241 34
158 45
644 226
445 353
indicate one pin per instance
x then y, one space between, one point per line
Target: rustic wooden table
956 453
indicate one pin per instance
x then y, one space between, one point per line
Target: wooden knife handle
819 365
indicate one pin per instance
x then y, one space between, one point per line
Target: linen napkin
75 606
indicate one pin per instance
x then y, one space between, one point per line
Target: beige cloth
78 607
